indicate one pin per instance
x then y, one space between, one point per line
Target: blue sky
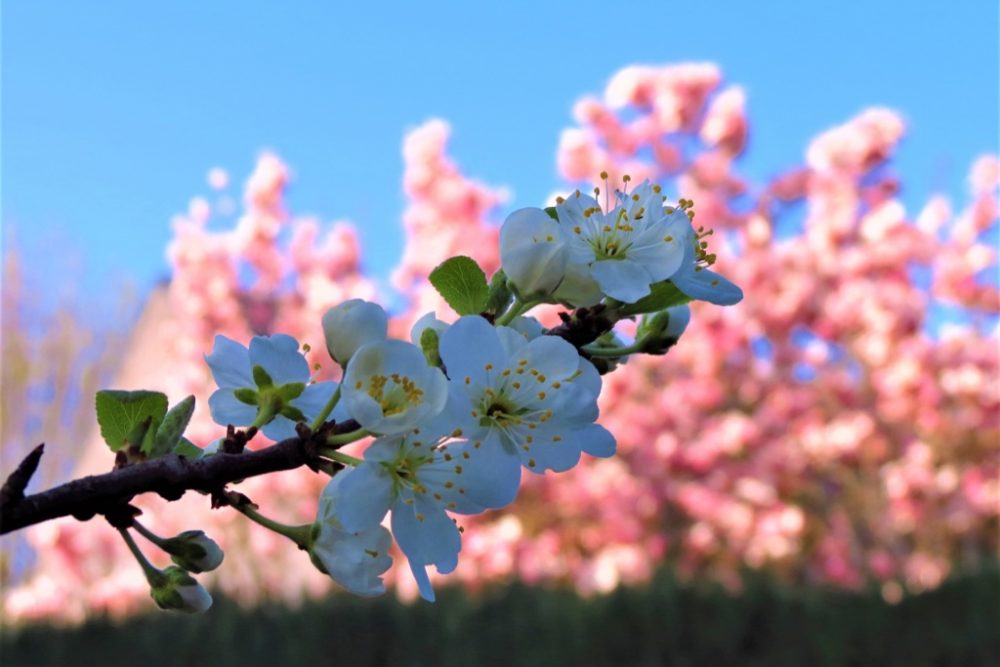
114 111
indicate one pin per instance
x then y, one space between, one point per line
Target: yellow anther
449 484
626 178
515 385
438 496
420 517
488 367
556 385
657 189
468 380
668 238
306 348
531 463
604 175
457 433
541 395
458 470
465 455
635 197
556 438
560 200
448 457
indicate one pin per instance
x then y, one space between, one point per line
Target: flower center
394 393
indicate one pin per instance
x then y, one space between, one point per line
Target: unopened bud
352 324
194 551
533 251
660 331
179 591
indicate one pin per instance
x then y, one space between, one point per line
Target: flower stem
265 413
341 457
153 575
297 534
148 534
327 409
516 308
345 438
614 351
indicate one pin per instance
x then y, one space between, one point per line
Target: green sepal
169 433
462 284
261 377
293 413
662 296
551 211
291 391
246 395
119 412
500 294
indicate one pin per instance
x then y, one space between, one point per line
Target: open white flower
534 401
354 559
389 388
533 251
636 243
266 383
352 324
419 477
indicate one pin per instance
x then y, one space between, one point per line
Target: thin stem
346 438
153 575
613 351
327 409
516 308
297 534
148 534
341 457
265 413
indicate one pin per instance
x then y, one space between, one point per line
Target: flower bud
533 251
352 324
178 591
660 331
194 551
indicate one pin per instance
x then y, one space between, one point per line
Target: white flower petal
279 355
706 285
425 533
362 497
314 398
356 561
468 346
279 428
226 409
595 440
230 364
621 279
533 251
551 356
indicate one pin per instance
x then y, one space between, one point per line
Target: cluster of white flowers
457 412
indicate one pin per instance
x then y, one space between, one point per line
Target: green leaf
551 210
172 428
663 295
499 295
140 434
188 449
462 284
119 412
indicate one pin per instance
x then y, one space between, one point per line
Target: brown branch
169 476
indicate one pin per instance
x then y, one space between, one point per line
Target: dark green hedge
664 623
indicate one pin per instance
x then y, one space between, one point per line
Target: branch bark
169 476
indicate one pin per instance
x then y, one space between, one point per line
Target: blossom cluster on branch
832 427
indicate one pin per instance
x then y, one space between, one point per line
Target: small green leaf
119 412
188 449
462 284
499 295
551 210
139 435
663 295
172 428
261 377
